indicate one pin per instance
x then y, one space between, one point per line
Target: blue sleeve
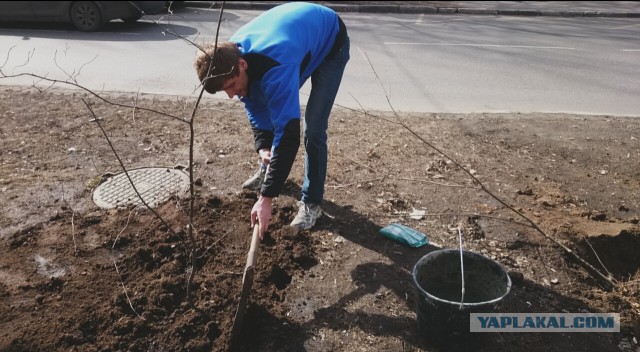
281 88
258 112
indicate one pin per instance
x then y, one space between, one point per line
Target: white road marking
632 50
420 18
363 54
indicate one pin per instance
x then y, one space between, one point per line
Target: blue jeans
325 82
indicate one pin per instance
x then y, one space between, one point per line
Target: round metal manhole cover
155 185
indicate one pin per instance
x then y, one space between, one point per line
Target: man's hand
265 156
262 212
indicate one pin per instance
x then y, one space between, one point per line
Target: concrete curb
409 9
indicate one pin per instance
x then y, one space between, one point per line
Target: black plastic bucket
442 319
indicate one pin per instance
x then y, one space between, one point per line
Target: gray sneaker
307 216
254 182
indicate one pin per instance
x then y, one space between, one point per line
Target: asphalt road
408 62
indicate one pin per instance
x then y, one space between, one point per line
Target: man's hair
223 67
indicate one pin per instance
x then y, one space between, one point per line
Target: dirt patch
75 277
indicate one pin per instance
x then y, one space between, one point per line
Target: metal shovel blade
247 282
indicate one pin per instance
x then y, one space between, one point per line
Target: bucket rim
466 252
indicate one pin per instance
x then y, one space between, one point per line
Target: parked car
87 16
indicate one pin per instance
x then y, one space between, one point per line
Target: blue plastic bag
405 235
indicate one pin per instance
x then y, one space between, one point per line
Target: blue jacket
282 46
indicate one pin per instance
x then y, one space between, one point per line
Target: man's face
238 85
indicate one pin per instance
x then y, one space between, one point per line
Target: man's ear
243 64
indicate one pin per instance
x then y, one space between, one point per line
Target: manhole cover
155 185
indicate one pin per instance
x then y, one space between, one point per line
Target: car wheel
86 16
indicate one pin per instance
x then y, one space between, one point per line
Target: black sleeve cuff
282 160
263 139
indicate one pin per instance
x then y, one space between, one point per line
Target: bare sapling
71 79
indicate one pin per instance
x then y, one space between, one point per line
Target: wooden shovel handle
253 249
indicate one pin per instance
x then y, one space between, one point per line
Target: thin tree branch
191 158
97 121
433 182
55 81
125 226
55 61
135 105
192 140
73 227
167 30
85 64
604 280
597 256
29 56
361 164
357 182
213 244
124 288
7 58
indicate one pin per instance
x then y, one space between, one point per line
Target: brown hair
223 67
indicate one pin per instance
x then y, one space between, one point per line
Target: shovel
247 282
